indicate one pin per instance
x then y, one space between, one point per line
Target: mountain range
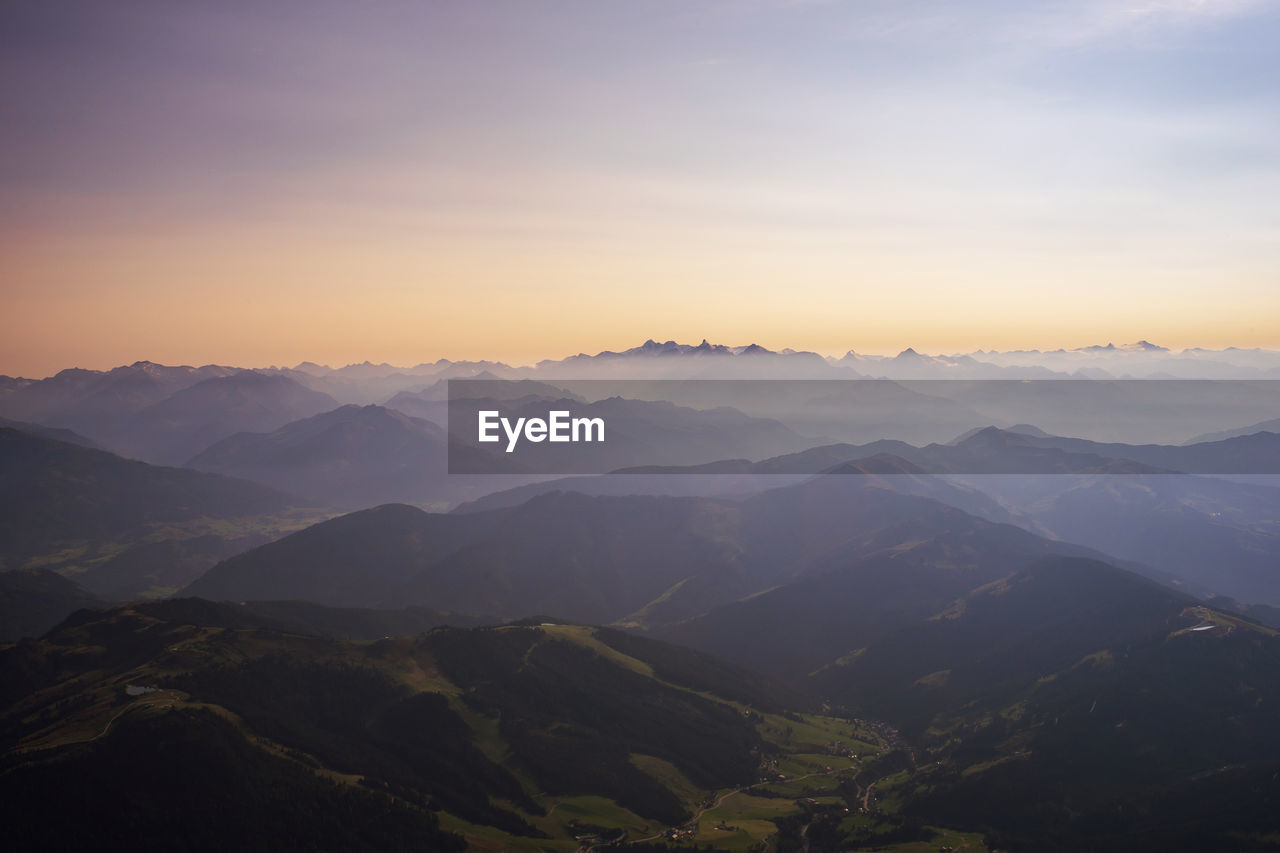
781 634
640 560
168 415
1051 708
161 414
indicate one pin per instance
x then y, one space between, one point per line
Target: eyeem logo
559 426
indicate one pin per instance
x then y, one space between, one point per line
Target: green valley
525 736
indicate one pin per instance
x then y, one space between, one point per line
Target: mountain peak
993 437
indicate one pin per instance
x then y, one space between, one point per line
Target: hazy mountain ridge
95 402
1139 360
1272 425
169 414
188 421
865 590
1219 536
349 457
163 414
64 435
1256 452
987 450
646 559
123 526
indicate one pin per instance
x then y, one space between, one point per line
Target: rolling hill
646 560
524 735
32 602
1073 706
1047 710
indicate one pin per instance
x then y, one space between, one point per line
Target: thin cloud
1104 20
1023 27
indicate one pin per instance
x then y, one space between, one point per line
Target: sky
266 183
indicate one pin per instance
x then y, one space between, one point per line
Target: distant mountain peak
1140 346
993 432
993 436
652 347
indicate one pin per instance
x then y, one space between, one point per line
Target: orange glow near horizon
513 183
278 296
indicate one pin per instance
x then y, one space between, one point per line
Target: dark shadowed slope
32 602
491 729
870 587
585 558
994 641
1073 706
353 560
56 489
74 508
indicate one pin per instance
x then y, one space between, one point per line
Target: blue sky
525 179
